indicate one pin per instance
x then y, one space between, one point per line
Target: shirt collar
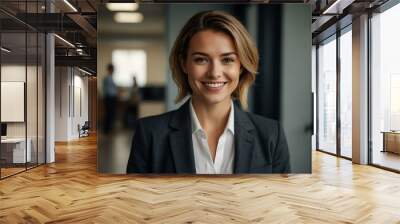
197 126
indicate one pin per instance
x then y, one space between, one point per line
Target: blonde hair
220 22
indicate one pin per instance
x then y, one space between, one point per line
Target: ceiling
153 23
332 15
77 27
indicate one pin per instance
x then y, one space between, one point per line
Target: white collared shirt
223 163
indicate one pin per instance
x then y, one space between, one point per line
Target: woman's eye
227 60
200 60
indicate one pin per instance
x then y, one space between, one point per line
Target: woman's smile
214 86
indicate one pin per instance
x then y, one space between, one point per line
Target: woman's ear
183 65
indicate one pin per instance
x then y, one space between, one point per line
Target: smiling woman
215 61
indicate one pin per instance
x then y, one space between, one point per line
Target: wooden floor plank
70 191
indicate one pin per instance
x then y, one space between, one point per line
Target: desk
391 141
15 148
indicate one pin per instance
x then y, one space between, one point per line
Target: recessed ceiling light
337 7
5 50
64 40
84 71
122 6
128 17
70 5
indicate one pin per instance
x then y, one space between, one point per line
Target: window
327 96
346 94
385 88
129 64
394 102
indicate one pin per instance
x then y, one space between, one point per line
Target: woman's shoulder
261 120
156 120
178 118
264 124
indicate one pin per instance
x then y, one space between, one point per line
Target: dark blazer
163 144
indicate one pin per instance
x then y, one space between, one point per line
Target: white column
360 90
50 92
50 108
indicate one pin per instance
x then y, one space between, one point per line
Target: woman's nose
215 70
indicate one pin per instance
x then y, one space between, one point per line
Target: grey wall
251 23
296 103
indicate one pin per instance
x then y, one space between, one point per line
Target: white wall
33 106
13 72
80 84
61 103
71 87
16 73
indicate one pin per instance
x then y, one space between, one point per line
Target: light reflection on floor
386 159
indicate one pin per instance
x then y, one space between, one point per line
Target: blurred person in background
110 95
133 103
214 61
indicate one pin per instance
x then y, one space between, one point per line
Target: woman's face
212 66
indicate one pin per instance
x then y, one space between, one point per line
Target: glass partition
31 97
13 111
327 95
33 63
22 89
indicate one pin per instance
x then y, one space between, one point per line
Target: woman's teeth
214 84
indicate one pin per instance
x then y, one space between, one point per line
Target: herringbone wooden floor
70 191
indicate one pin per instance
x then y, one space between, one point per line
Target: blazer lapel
181 140
244 141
